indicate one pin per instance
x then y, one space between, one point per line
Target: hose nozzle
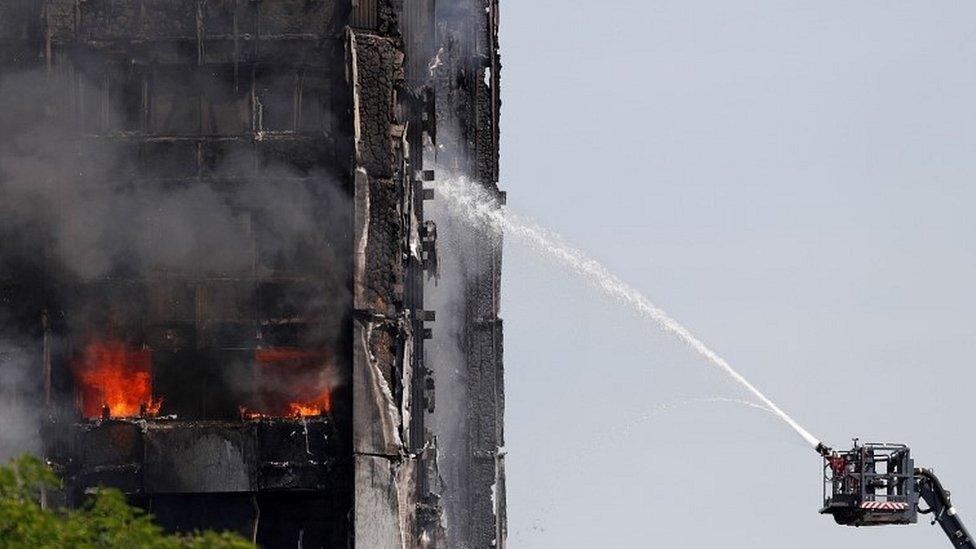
824 450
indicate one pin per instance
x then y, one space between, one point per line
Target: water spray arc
858 493
473 203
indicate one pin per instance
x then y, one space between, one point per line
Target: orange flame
247 413
317 407
299 388
115 379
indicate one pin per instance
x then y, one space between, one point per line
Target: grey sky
794 181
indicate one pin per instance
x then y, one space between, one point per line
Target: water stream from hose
476 205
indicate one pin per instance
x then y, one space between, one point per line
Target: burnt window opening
315 101
226 104
112 98
276 98
168 159
92 104
258 333
175 102
215 100
290 100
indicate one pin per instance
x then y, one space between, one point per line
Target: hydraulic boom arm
937 498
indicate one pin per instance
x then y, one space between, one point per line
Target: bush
106 520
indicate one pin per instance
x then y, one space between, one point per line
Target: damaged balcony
149 456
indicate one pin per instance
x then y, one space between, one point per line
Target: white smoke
19 388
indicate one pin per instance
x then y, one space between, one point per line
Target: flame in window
115 381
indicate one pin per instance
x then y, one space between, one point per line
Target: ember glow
317 407
247 413
308 408
116 379
291 357
297 381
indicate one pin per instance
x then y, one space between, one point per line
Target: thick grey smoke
76 197
79 209
19 394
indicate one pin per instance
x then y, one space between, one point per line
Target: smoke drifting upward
80 197
115 236
481 208
19 393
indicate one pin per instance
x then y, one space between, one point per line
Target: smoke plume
82 209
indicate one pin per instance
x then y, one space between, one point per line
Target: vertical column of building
388 377
465 75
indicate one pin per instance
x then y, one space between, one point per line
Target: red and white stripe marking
884 505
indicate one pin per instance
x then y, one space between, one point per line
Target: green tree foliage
105 521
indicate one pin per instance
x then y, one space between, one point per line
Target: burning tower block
225 293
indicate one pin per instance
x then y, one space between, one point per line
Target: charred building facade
216 268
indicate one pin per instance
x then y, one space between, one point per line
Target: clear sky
794 181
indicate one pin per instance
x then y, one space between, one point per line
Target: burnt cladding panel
111 444
109 454
206 459
378 71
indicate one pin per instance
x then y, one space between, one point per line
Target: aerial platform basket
871 484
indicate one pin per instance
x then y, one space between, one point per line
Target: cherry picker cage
871 484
